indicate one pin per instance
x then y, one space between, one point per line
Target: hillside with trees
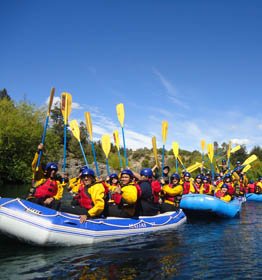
21 128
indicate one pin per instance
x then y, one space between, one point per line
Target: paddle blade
116 139
155 150
175 148
89 125
106 145
164 131
180 160
235 149
246 168
193 167
120 113
75 129
66 105
51 98
250 160
210 152
203 145
229 150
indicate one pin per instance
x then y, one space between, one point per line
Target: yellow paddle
235 149
246 168
210 153
164 136
116 141
89 128
76 132
106 146
250 160
194 167
155 150
121 117
51 97
66 106
175 148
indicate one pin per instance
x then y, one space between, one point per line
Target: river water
222 249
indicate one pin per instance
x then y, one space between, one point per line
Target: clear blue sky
196 64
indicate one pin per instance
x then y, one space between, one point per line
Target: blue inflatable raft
207 206
253 197
35 224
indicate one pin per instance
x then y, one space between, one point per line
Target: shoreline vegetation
21 127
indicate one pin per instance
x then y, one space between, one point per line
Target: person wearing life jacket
148 204
90 200
47 191
206 187
251 187
258 184
124 196
197 183
223 193
188 186
165 179
75 182
171 194
227 180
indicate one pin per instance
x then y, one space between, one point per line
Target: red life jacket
251 188
231 189
156 188
197 187
84 198
220 194
186 187
206 187
47 189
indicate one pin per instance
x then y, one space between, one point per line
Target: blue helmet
87 172
51 166
175 176
224 161
113 176
251 181
224 186
83 168
199 176
187 174
146 172
259 178
238 162
227 176
128 172
204 178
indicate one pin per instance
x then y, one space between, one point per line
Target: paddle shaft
64 165
94 156
107 167
120 159
43 141
124 142
83 153
163 159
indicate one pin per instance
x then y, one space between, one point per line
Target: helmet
128 172
82 168
199 176
251 181
238 162
113 176
146 172
224 161
87 172
224 186
204 178
187 174
259 178
227 176
51 166
175 176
